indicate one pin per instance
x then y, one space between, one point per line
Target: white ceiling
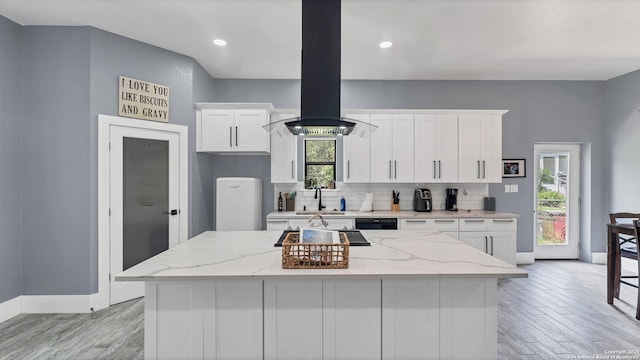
432 39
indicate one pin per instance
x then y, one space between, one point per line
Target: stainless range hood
320 78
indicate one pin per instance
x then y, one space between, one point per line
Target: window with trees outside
320 163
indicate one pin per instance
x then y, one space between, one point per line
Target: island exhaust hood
320 78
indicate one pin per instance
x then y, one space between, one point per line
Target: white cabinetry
322 319
277 224
496 237
445 226
284 154
436 148
480 148
232 128
392 148
357 155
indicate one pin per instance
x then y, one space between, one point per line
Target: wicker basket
314 256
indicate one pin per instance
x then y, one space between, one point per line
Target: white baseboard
55 304
599 258
10 308
525 258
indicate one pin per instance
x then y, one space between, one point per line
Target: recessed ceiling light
221 42
386 44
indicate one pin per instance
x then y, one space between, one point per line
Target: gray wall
202 170
113 55
622 130
10 159
56 160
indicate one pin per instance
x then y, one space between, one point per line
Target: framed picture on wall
513 168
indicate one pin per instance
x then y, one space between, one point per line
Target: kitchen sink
320 212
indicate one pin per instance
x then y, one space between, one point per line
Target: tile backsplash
470 196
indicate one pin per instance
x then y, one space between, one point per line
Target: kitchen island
411 295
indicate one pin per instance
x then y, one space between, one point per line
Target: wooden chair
628 249
636 228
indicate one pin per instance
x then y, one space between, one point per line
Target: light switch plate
507 188
514 188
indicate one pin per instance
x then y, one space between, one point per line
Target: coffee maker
422 200
452 200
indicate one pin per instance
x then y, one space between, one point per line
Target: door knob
171 212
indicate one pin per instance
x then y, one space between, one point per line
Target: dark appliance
320 77
377 223
355 238
422 200
452 200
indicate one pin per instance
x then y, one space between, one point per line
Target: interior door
557 209
144 201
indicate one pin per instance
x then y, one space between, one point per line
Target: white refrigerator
238 203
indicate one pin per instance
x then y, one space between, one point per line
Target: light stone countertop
402 214
225 255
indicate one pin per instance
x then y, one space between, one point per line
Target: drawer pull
277 221
473 221
416 221
445 221
502 220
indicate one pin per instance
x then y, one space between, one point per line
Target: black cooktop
355 238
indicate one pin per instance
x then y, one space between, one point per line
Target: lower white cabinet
495 237
277 224
322 319
445 226
203 320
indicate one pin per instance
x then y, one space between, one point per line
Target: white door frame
573 201
105 122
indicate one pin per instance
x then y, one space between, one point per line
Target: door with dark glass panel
144 188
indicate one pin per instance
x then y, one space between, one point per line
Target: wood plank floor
559 312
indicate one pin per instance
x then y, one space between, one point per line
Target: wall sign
142 100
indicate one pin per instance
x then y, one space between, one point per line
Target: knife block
395 207
290 204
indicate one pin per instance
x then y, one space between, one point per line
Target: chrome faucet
319 192
322 220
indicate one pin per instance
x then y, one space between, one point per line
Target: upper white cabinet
480 148
232 127
436 148
356 155
392 148
284 153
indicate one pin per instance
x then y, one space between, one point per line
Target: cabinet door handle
478 165
395 169
434 169
416 221
491 245
486 244
444 221
348 169
439 170
230 137
277 221
484 169
389 169
236 136
473 221
292 169
502 220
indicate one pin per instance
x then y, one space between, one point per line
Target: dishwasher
376 223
